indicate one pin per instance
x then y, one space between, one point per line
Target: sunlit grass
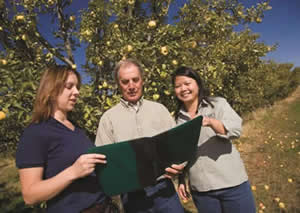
10 195
11 200
273 162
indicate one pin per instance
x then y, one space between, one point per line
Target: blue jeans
237 199
160 198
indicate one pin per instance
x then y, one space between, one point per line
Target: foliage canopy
202 34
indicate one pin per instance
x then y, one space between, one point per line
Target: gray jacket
217 163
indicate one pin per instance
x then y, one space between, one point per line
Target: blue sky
281 26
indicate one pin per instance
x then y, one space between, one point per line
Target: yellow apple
50 2
3 61
174 62
167 92
193 44
129 48
1 28
104 85
2 115
152 24
88 32
277 199
50 55
155 97
24 37
100 63
164 50
266 187
281 205
163 74
258 20
72 18
20 17
74 66
131 1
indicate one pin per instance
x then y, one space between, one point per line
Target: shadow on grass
19 207
12 202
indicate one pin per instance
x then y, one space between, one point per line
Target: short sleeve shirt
55 147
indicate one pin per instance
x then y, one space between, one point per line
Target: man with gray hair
135 117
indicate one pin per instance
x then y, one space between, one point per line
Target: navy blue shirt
55 147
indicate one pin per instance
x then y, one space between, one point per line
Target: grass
269 146
10 196
11 200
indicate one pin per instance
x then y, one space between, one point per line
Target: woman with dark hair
217 176
50 155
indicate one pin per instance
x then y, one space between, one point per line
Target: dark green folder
136 164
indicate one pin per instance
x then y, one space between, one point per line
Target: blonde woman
50 155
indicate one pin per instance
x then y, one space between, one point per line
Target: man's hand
174 170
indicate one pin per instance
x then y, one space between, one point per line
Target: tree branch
65 35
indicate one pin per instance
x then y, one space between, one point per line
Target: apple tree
209 35
201 35
25 52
